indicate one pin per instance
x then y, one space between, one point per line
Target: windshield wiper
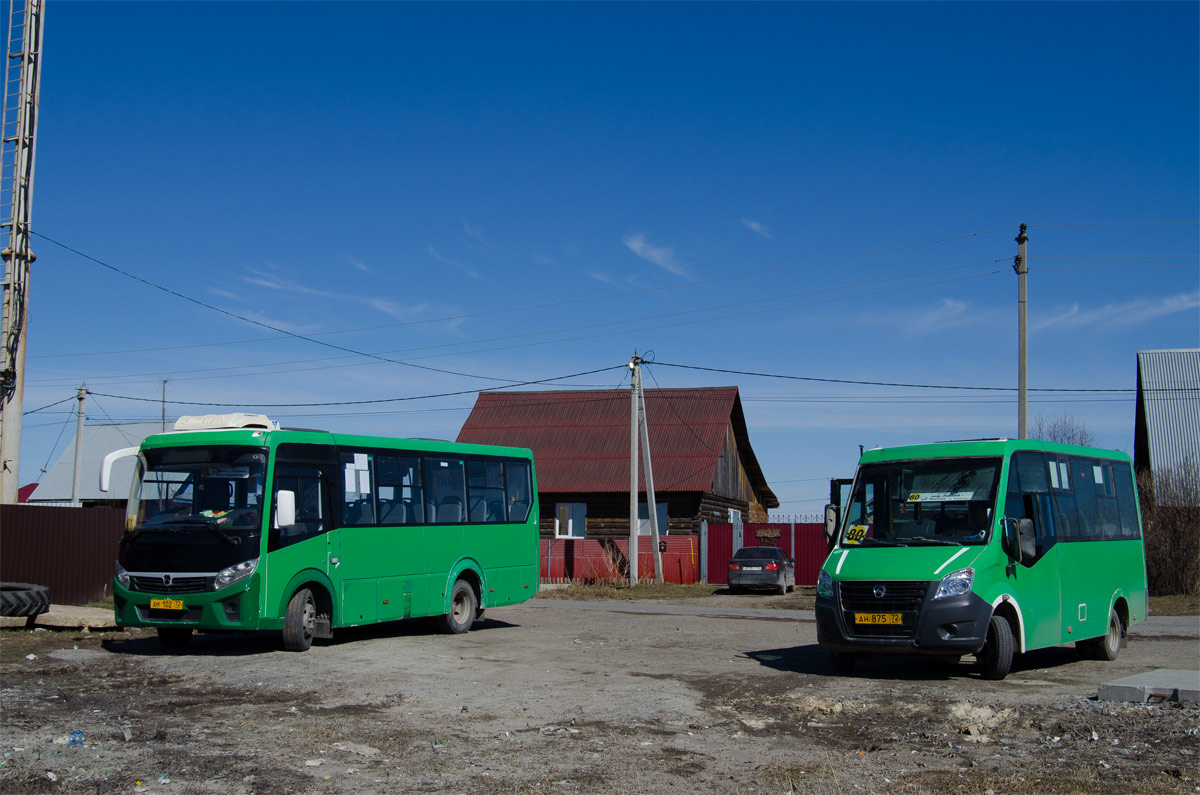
942 541
883 542
202 521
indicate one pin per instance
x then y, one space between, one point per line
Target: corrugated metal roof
580 439
98 441
1167 427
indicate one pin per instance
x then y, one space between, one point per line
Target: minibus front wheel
996 656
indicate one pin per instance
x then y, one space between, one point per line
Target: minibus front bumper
951 625
232 608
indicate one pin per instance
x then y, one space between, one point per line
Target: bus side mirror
285 509
107 465
1020 539
831 522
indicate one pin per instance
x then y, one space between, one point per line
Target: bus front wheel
996 656
1107 646
300 621
462 608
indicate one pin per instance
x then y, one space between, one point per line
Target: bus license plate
877 618
166 604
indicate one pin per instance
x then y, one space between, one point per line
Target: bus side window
1029 496
1126 500
1108 516
447 491
398 489
358 503
517 489
1065 513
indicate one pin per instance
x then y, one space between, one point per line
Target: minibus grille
170 584
903 597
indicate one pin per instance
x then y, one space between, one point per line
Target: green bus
236 524
988 548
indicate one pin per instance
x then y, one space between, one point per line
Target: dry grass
623 593
1175 605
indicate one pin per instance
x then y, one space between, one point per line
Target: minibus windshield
946 501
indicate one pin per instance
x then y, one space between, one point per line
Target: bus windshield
216 491
949 501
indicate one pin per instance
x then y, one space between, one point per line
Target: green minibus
988 548
236 524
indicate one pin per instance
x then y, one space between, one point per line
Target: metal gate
803 541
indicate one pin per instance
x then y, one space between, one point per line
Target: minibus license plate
877 618
166 604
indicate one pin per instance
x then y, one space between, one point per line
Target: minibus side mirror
1027 539
107 465
831 523
285 509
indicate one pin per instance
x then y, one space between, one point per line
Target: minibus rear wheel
1107 646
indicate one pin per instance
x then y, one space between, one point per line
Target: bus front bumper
231 608
950 626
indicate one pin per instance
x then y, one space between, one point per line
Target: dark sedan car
761 567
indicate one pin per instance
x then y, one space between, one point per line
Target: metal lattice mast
18 125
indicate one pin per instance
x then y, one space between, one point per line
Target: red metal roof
580 439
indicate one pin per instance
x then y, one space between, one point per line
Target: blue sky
521 192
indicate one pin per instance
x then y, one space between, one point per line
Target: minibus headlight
956 583
122 575
234 573
824 584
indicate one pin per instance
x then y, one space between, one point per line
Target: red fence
588 560
805 542
71 550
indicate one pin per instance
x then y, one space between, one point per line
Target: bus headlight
824 584
122 575
956 583
235 573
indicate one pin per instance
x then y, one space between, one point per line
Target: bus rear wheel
996 656
1107 646
300 621
463 606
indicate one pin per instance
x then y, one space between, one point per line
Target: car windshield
757 553
934 501
216 490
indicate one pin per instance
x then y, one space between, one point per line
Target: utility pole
1021 266
18 125
635 381
78 446
651 510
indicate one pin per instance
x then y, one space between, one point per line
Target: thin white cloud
755 226
1124 315
481 245
362 266
948 314
433 252
604 278
662 256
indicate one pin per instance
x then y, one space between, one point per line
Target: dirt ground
561 696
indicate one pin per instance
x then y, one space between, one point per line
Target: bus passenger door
1037 581
307 544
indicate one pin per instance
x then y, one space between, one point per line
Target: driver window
312 504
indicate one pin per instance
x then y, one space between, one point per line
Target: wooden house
703 465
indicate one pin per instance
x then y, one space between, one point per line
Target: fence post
704 552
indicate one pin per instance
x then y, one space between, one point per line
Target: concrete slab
68 617
1163 684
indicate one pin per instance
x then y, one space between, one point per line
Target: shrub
1171 522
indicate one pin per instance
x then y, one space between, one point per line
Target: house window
660 510
735 516
570 520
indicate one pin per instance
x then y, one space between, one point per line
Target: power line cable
879 383
70 414
51 405
259 323
352 402
531 307
226 370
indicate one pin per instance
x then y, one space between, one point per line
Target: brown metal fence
71 550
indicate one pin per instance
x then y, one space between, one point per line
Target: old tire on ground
1107 646
300 621
23 599
843 661
996 656
463 605
174 637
